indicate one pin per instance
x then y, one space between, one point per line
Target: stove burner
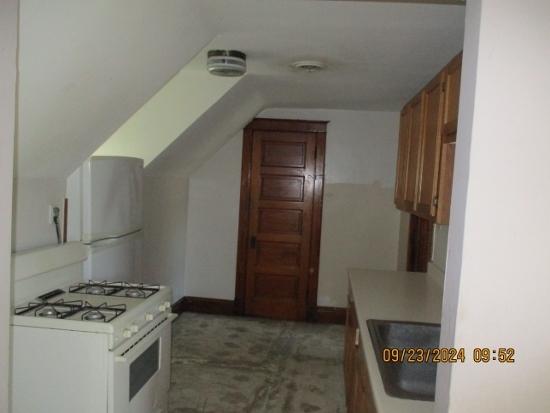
96 290
57 309
115 289
66 309
103 312
94 315
134 293
48 312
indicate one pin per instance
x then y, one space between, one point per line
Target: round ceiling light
226 62
309 66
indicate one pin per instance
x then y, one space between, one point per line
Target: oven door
140 376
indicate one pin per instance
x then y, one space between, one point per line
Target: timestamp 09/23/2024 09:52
482 355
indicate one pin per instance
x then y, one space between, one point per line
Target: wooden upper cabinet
403 156
430 150
452 92
415 141
448 137
427 135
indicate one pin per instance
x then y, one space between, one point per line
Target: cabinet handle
434 202
356 337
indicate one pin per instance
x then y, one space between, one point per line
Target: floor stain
268 366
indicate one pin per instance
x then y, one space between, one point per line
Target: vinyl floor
226 364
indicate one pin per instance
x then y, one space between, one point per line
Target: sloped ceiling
86 67
186 97
211 130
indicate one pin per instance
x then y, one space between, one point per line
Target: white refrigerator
105 212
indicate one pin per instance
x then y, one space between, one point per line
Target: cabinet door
416 131
363 398
360 399
452 81
430 150
349 353
446 183
403 157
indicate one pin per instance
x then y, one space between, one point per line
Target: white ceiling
87 66
378 54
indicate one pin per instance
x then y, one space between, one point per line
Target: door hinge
435 201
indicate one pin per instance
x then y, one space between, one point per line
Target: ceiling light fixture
309 66
226 62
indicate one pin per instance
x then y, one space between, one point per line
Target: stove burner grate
116 289
96 290
103 312
66 309
135 293
57 309
93 315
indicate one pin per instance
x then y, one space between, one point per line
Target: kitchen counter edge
393 295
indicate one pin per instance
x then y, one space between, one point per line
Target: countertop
393 295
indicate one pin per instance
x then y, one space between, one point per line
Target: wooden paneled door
280 218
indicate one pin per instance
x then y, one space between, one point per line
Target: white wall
360 223
497 282
8 78
213 220
32 198
164 226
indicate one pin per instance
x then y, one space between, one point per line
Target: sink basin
405 380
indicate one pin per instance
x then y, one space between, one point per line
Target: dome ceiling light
309 66
226 63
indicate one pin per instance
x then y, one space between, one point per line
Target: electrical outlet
53 212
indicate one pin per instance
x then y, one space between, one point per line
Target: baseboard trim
331 315
204 305
323 315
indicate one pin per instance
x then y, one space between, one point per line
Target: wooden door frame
420 243
282 125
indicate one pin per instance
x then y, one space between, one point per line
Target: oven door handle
122 359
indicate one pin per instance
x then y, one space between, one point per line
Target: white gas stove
91 347
118 309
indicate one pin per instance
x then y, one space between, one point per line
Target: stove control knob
134 328
127 333
167 304
163 308
149 317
